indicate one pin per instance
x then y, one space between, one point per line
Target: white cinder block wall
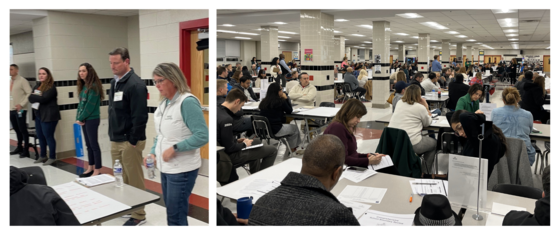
159 42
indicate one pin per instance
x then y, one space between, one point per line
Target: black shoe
24 154
18 150
84 175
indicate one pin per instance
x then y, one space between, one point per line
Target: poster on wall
308 55
377 63
295 55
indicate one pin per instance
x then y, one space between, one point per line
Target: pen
410 198
425 183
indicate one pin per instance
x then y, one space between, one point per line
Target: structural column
354 55
269 46
459 52
381 39
445 54
366 54
402 53
469 54
339 50
423 53
317 32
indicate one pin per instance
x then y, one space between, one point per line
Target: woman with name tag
181 132
87 116
412 114
45 107
514 121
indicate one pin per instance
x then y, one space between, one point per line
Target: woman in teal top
470 102
91 95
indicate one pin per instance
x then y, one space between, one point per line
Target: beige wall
248 51
159 42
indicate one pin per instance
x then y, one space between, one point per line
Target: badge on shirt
118 96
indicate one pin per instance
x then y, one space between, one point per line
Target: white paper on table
499 211
463 180
250 107
362 194
428 186
264 88
443 122
358 209
339 76
378 218
252 147
434 121
86 204
357 176
386 161
445 94
487 109
35 105
259 188
96 180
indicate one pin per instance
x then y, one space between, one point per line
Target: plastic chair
347 91
35 175
263 130
518 190
33 133
441 160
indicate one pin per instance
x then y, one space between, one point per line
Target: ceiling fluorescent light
226 31
287 32
367 42
452 32
358 35
401 34
228 25
508 22
471 40
398 41
478 43
435 41
247 33
510 35
510 30
281 40
340 20
337 32
366 26
513 39
416 37
461 36
281 23
434 25
548 48
242 37
504 11
283 37
410 15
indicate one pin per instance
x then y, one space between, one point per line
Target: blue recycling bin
78 141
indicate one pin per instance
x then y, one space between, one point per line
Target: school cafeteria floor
368 134
66 170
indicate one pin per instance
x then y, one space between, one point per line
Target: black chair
347 91
538 155
33 133
518 190
263 130
35 175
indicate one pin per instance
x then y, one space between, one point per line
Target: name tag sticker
118 96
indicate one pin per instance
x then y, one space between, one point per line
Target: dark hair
539 80
435 57
254 59
235 94
456 118
474 88
236 75
459 78
221 70
244 68
323 155
546 181
246 72
272 99
454 59
262 72
432 75
352 108
227 65
15 66
457 69
529 75
244 78
121 51
282 56
274 60
92 81
418 75
301 75
48 83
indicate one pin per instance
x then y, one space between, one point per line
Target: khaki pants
132 161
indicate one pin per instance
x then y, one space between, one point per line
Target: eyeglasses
157 82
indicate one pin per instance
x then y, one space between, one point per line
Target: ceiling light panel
340 20
228 25
242 37
410 15
508 22
287 32
434 25
358 35
461 36
401 34
452 32
366 26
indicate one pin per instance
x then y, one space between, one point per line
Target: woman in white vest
181 131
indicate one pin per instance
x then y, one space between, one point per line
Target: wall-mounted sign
295 55
377 61
440 53
481 53
308 56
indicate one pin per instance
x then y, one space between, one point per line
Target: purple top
353 158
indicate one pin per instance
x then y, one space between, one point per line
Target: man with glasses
128 115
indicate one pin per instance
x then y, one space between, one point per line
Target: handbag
276 70
390 100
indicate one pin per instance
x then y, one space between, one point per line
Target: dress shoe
16 151
84 175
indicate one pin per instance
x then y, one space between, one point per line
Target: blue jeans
176 190
45 134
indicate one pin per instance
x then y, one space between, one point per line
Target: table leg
307 130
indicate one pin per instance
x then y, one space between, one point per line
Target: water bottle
117 171
433 93
151 168
20 113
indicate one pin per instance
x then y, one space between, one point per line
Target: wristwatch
175 147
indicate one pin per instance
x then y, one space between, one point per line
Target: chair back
35 175
347 89
262 127
327 104
518 190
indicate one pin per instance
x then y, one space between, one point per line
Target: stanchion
477 216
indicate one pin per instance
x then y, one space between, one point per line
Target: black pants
20 127
513 78
91 140
360 91
257 158
281 78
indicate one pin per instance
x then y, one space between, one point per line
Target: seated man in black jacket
457 90
33 204
305 198
240 124
418 77
245 87
233 147
542 208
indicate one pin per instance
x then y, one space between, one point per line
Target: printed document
378 218
357 176
428 186
499 211
386 161
358 209
258 188
362 194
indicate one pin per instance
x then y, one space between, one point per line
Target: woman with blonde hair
401 76
363 78
181 132
46 113
514 121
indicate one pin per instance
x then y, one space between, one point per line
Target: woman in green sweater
470 101
91 95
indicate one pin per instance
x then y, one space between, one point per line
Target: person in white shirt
362 78
430 83
412 114
303 94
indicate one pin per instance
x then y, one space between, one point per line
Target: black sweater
225 130
532 100
415 82
275 115
48 106
456 91
541 216
492 148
